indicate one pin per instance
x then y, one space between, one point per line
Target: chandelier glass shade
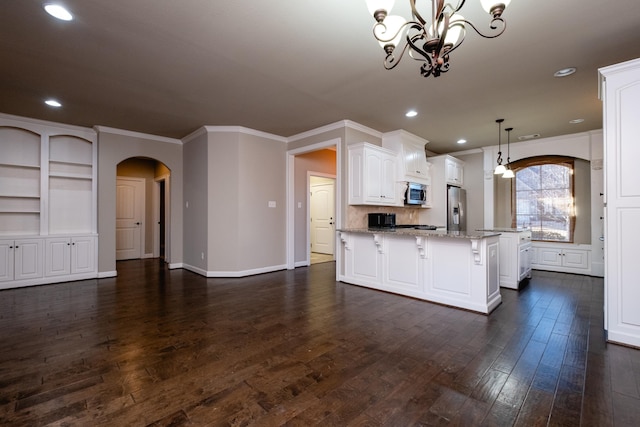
429 42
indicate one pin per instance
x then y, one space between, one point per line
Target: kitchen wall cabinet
372 176
412 160
454 171
20 259
620 92
48 189
559 257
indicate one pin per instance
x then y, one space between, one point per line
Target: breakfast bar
454 268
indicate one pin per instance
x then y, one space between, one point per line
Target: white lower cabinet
456 271
27 262
558 258
69 255
515 257
20 259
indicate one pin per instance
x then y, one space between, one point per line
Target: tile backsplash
357 215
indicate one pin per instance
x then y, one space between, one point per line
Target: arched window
543 197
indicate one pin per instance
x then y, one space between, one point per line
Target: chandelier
429 43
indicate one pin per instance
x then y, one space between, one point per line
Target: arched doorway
142 209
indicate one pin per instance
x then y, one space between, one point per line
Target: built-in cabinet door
6 260
454 172
388 183
82 254
58 256
524 261
29 259
550 256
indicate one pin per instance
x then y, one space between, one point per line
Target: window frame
539 161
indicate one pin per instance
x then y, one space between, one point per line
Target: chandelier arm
411 42
415 13
492 25
401 29
390 60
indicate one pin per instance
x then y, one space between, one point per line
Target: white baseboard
105 274
242 273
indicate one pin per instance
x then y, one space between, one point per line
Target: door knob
137 223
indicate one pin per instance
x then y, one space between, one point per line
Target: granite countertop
504 230
429 233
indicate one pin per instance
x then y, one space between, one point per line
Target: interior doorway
321 217
143 214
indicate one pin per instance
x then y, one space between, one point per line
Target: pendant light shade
508 173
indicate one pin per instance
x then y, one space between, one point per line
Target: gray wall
195 197
244 172
473 183
114 146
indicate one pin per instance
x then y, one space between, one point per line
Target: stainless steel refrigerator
456 209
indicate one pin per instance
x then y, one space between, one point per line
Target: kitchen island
458 269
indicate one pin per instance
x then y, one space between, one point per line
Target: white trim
335 126
107 274
241 273
193 135
37 124
114 131
175 265
246 131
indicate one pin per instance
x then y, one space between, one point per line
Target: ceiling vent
527 137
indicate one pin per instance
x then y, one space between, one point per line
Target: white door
130 199
322 225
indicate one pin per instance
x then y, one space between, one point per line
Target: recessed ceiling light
411 113
462 141
576 121
53 103
565 72
58 11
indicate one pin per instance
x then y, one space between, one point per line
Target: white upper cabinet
454 171
412 159
372 176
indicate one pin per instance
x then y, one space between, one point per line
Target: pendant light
508 173
500 169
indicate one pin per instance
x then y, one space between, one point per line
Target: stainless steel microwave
416 194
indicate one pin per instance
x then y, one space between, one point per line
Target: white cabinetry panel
621 95
48 189
372 176
402 264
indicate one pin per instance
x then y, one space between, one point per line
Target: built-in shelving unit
48 185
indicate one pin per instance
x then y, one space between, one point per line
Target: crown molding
246 131
133 134
342 124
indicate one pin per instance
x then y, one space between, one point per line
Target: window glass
544 201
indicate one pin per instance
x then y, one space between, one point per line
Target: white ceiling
168 67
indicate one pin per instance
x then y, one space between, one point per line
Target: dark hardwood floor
159 347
